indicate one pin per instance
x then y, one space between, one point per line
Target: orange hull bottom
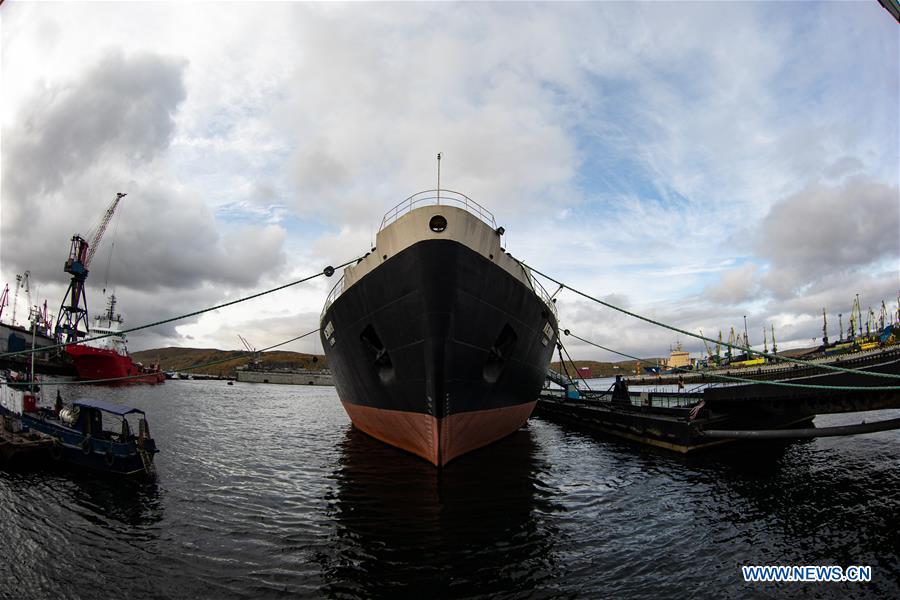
439 440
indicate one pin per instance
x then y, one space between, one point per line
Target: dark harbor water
267 492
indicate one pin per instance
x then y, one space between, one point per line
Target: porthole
437 223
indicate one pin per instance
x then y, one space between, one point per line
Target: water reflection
56 524
469 529
831 502
116 501
104 501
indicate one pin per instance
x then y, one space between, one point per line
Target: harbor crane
21 282
709 353
16 298
73 311
254 360
855 320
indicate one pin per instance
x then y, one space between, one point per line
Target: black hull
439 332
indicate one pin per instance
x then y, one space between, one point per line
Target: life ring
86 446
56 450
110 458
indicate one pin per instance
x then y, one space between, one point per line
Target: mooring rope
327 271
747 380
574 366
700 337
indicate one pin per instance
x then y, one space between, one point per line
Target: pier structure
289 377
687 421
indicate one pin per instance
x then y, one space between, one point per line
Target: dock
657 424
689 421
287 377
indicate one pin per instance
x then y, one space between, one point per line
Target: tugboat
107 359
438 340
77 433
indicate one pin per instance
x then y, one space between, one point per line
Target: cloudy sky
694 162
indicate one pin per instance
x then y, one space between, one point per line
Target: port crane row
865 331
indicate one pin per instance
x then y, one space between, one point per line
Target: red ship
106 360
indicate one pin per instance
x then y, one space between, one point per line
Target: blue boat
82 434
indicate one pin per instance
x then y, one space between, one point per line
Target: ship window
437 223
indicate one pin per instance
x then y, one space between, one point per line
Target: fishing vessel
107 359
438 340
87 433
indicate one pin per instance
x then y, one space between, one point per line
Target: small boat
81 435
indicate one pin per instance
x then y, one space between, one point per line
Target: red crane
73 311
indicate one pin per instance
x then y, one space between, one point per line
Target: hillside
181 359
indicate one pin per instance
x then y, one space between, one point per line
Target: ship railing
333 294
438 197
541 291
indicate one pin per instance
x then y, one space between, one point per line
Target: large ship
36 332
438 340
16 338
107 359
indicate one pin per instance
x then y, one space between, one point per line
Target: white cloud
632 149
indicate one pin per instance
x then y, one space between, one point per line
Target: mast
439 179
746 337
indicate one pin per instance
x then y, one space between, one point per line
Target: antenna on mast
439 179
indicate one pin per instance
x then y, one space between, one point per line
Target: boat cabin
86 416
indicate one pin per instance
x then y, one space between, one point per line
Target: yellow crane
709 354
